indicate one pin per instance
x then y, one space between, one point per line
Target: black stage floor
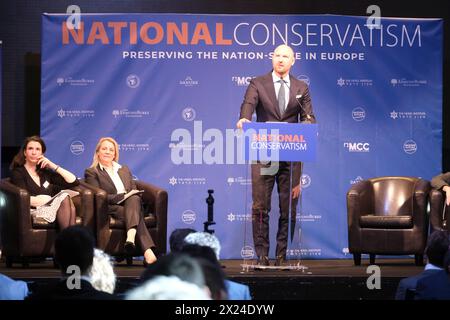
322 280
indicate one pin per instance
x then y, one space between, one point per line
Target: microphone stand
308 120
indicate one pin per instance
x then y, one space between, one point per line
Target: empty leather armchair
26 238
439 219
388 216
111 233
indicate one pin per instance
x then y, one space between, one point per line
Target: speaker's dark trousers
262 187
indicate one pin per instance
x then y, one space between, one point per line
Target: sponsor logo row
359 114
73 112
231 181
190 216
305 180
409 147
77 147
133 81
189 114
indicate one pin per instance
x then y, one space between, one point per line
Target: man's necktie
281 97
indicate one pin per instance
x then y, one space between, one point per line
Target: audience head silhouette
447 261
74 246
167 288
437 247
198 251
204 239
212 270
176 264
176 239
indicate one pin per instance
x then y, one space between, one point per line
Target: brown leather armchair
439 219
26 238
388 216
111 233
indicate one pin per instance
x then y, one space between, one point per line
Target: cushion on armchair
386 222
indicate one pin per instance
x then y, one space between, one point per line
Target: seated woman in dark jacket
32 171
105 173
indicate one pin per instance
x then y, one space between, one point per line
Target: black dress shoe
280 261
263 261
129 248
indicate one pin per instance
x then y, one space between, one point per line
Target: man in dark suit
437 246
74 253
435 286
275 97
442 181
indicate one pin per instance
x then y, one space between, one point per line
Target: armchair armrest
360 200
437 199
84 204
154 196
15 213
421 191
157 200
101 217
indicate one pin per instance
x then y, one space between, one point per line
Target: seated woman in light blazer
107 174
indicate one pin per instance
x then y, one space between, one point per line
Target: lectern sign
279 141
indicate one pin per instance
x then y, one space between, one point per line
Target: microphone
297 98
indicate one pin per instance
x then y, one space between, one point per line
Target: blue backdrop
168 87
1 95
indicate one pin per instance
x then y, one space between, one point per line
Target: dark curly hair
19 158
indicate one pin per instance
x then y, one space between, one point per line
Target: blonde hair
97 148
167 288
